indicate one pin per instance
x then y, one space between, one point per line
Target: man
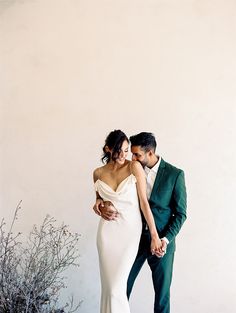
167 198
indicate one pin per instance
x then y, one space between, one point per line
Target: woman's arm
99 200
138 172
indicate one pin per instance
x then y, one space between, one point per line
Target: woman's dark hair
114 142
145 140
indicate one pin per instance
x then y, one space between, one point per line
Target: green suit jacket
168 202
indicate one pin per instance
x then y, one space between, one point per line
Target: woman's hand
156 246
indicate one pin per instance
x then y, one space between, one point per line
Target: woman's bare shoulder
98 172
135 167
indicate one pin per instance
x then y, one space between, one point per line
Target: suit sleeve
179 206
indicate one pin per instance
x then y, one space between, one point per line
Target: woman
120 183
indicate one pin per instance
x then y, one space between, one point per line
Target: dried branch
31 276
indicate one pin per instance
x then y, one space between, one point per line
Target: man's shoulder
170 167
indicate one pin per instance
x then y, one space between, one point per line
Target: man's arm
106 212
98 204
179 204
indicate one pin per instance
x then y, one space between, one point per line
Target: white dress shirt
151 174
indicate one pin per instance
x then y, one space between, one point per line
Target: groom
167 198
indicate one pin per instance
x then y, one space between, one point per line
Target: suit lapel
158 177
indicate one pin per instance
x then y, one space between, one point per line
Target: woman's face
123 152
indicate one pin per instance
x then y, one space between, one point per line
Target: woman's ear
107 149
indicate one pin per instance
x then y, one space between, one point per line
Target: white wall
71 71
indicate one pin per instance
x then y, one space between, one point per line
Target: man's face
138 154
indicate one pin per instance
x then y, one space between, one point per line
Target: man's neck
153 161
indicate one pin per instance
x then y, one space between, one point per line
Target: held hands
158 247
105 209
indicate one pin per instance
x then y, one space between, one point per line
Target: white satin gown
117 243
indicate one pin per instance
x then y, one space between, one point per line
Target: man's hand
162 251
97 206
108 211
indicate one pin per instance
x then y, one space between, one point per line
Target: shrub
31 274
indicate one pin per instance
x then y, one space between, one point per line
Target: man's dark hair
113 141
145 140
